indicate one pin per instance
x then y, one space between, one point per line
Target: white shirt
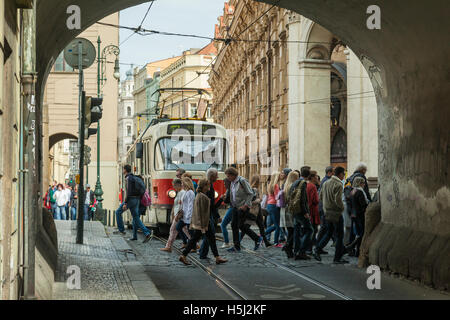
60 197
188 206
68 193
177 203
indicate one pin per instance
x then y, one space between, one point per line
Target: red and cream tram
168 144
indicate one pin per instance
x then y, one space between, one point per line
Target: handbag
281 203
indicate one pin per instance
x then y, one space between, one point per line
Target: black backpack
139 186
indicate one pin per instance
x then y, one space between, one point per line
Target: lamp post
101 79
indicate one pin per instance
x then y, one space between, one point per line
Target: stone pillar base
413 254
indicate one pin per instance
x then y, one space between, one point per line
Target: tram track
219 281
296 273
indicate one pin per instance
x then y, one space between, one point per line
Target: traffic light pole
82 112
98 185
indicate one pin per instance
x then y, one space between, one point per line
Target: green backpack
294 203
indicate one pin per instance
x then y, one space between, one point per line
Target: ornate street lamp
101 79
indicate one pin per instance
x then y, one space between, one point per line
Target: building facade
289 79
125 114
61 112
190 71
146 79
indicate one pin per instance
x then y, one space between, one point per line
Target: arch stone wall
412 94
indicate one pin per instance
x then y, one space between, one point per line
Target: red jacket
313 203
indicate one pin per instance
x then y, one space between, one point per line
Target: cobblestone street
108 271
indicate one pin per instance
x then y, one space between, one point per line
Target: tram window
198 155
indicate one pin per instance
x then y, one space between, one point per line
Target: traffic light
93 107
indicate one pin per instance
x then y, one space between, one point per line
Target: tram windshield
190 153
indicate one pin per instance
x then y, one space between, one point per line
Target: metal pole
98 186
81 192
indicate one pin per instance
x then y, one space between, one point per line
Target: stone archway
55 138
411 86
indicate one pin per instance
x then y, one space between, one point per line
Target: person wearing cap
88 201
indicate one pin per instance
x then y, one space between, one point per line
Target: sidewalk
109 269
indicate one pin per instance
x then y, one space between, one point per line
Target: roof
209 49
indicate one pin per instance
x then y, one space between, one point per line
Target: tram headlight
172 194
216 195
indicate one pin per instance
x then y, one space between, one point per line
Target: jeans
338 229
53 207
68 212
86 212
274 213
179 227
225 222
260 223
133 205
73 210
60 212
119 218
302 238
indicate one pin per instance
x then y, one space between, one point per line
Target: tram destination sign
191 128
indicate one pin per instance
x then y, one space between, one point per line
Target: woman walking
200 223
187 206
281 203
274 211
288 216
177 214
359 205
313 204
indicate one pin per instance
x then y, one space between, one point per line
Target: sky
180 16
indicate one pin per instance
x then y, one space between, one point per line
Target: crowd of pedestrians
62 201
302 212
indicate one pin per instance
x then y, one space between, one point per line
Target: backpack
295 203
146 200
139 186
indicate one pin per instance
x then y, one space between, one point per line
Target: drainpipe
2 15
31 149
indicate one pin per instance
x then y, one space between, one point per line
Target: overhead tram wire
140 26
146 32
228 41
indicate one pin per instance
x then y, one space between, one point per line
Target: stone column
362 117
309 104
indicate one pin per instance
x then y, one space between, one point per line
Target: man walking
212 175
240 195
298 205
323 226
132 202
331 196
88 201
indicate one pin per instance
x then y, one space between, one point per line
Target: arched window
129 111
339 147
